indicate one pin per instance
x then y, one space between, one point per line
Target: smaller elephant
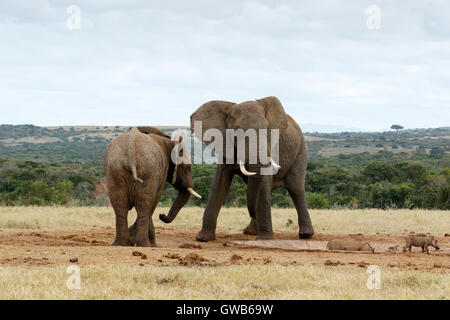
349 245
420 240
137 165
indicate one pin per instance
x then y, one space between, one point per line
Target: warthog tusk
274 164
195 194
244 171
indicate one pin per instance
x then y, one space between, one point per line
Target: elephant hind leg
145 231
151 233
298 196
122 233
306 229
145 209
132 231
252 228
120 202
295 183
141 226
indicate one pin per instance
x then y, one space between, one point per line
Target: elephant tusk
195 194
244 171
274 164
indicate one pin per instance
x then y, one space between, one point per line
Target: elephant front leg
262 186
219 190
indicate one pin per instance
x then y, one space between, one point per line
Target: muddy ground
178 247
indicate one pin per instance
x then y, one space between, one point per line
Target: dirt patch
15 261
175 246
330 263
189 259
139 254
321 245
193 258
363 264
235 258
190 246
172 256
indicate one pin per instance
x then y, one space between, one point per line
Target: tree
436 151
377 172
396 127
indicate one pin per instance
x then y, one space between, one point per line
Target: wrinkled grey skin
137 165
267 113
420 240
349 245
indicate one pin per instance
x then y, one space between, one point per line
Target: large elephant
137 165
267 113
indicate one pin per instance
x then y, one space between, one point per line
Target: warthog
349 245
420 240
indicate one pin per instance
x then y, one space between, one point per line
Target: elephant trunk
180 201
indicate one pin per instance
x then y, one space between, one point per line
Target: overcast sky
154 62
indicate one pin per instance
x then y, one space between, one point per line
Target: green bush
316 201
385 181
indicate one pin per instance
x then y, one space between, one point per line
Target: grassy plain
309 278
369 221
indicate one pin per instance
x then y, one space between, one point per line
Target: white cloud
155 62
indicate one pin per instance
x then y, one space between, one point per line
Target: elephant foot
306 232
143 243
152 242
122 243
265 236
205 236
251 229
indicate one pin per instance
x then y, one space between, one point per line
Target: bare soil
178 247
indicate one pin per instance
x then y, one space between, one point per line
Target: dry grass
259 281
371 221
54 218
232 282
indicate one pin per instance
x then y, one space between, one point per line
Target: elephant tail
134 173
132 157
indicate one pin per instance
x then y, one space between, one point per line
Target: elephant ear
148 130
177 141
213 115
274 113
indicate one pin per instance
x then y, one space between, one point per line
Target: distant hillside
87 144
63 166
